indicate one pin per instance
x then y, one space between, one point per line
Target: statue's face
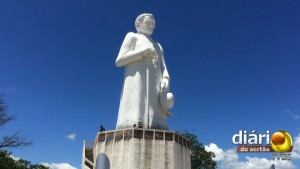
147 26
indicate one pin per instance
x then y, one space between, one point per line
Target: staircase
87 155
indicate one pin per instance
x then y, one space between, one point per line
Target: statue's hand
164 85
149 52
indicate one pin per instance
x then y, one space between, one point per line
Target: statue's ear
137 27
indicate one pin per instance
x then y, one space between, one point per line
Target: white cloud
293 115
15 158
218 151
71 136
59 166
11 89
296 149
229 159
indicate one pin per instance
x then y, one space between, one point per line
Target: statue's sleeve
127 53
164 67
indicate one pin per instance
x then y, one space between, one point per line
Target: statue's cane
148 62
147 90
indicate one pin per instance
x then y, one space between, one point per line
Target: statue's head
145 24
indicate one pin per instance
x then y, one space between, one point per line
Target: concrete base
143 149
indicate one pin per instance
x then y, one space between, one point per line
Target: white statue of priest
145 95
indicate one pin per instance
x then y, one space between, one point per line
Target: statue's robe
133 104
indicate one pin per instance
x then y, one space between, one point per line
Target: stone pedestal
143 149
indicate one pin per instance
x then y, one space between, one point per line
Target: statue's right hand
149 52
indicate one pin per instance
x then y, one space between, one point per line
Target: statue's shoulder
131 36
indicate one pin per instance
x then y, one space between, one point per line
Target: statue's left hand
164 85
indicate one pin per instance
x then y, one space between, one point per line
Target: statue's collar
147 36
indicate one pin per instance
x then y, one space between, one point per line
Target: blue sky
233 64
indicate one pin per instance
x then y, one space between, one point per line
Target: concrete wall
144 149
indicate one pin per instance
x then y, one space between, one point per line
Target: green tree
7 162
200 158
